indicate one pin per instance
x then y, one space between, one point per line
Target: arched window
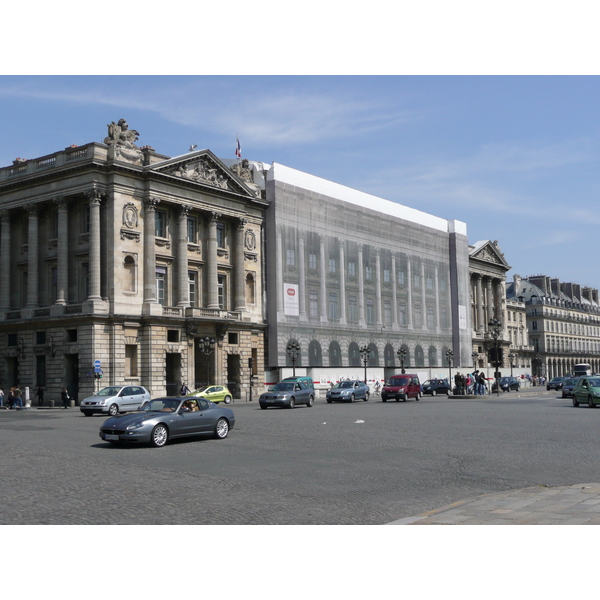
129 279
315 358
433 361
373 356
250 289
388 356
419 357
335 355
353 355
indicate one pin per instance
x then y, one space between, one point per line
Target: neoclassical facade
488 269
113 253
563 322
348 270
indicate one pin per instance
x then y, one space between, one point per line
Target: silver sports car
165 418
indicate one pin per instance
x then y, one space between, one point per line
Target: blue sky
515 157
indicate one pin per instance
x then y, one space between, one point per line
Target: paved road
365 463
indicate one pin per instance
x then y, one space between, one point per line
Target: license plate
269 400
110 436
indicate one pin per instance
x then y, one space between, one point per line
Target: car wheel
263 406
575 403
221 428
227 399
366 396
159 436
87 413
383 399
311 401
292 403
352 398
591 402
113 410
433 392
330 401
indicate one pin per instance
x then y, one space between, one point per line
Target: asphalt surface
521 458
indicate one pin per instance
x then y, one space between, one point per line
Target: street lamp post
495 328
207 345
475 356
538 360
402 356
365 352
511 357
293 351
449 357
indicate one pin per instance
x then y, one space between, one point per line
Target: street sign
97 364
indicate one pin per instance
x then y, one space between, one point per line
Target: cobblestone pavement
362 463
541 505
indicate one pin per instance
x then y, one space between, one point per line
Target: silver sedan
348 391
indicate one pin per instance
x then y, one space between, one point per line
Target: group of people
471 384
14 397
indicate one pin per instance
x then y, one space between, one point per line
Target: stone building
563 322
110 252
488 269
348 270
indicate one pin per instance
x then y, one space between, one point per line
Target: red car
402 387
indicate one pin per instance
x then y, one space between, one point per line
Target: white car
114 399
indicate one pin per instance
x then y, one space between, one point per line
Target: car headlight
135 426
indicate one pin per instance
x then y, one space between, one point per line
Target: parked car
587 391
402 387
288 394
115 399
349 390
435 387
214 393
163 419
507 384
307 380
568 387
555 383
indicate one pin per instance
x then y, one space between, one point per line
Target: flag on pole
238 148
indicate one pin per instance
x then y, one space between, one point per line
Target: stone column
395 326
342 272
490 299
409 315
378 287
361 289
5 271
423 297
323 280
279 259
95 199
62 254
479 304
183 291
239 273
32 256
150 204
211 262
302 278
437 301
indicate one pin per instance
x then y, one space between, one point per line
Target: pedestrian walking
17 402
1 398
40 395
184 390
64 396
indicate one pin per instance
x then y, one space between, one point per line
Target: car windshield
570 381
401 381
201 390
109 391
162 405
345 384
283 387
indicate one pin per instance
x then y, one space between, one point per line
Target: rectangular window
352 269
442 284
313 304
386 275
71 335
173 336
222 292
402 313
221 241
291 257
368 273
429 283
161 285
418 316
333 307
312 261
400 277
53 284
85 219
430 318
233 338
193 287
416 280
85 281
160 223
443 318
387 312
534 325
131 360
370 311
40 338
192 230
352 309
332 265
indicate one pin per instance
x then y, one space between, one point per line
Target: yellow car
214 393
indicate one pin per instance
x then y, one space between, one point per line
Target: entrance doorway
234 375
173 368
72 376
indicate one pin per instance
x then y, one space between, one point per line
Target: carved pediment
489 252
205 169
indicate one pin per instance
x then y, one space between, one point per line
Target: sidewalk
577 504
